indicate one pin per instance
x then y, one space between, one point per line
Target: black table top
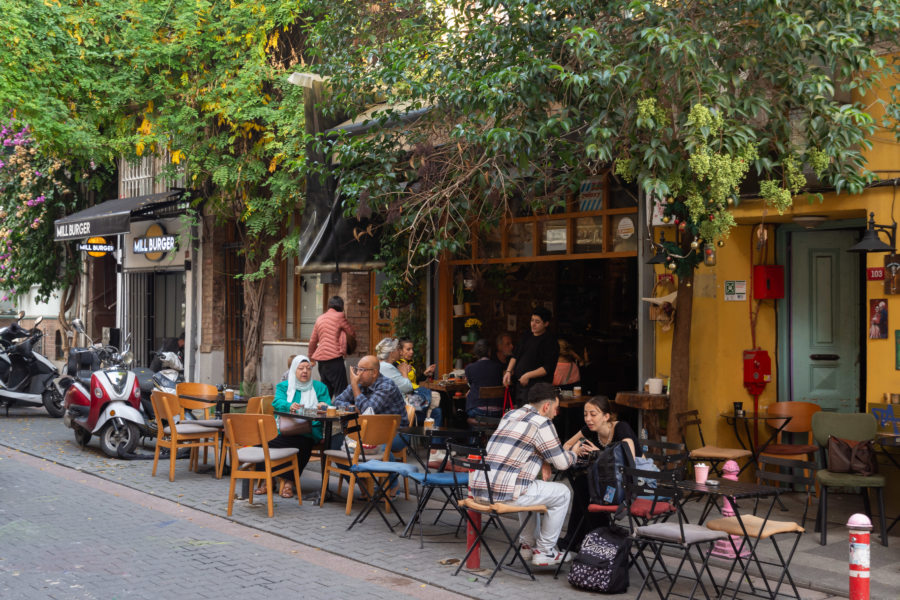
888 441
444 431
749 415
727 487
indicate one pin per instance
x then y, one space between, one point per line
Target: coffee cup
331 411
229 395
654 386
738 408
701 472
428 423
576 391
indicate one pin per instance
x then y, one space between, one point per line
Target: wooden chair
174 434
714 454
375 430
249 437
801 423
487 393
189 388
188 405
257 405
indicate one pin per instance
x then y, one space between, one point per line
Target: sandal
287 490
261 489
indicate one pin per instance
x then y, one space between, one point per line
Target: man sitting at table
524 444
484 372
369 389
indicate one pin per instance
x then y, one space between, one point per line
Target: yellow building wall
721 330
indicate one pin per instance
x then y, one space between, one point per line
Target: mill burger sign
73 230
154 244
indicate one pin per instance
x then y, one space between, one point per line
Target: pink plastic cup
701 472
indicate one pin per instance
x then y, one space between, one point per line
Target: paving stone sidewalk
31 431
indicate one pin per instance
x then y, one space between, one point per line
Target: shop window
599 220
141 177
303 299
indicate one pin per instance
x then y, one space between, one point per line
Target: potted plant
459 307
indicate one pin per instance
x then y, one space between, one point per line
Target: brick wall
212 290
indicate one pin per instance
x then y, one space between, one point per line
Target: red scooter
103 398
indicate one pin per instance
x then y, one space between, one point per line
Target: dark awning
114 216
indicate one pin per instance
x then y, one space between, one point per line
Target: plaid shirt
382 397
523 440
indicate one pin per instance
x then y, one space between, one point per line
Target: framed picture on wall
878 319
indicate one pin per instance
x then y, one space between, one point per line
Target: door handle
824 357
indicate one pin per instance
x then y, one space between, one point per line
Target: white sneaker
525 551
549 559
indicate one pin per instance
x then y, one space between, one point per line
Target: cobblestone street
171 534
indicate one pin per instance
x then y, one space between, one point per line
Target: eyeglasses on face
362 369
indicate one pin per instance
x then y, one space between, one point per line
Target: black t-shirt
622 431
536 351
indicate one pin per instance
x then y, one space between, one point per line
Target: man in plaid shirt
524 441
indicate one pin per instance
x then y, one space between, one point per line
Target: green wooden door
824 319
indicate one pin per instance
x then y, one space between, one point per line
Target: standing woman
328 345
600 430
298 392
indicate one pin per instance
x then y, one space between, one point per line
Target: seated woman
567 374
388 352
483 372
299 391
600 430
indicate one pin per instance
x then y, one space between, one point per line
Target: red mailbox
757 371
768 282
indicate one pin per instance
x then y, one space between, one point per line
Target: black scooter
27 377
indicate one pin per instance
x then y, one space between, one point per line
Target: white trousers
556 497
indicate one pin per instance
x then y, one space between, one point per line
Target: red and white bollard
859 526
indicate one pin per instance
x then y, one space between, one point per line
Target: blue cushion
381 466
440 478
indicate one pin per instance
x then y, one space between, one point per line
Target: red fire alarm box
757 370
768 282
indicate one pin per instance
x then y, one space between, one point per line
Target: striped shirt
523 441
325 341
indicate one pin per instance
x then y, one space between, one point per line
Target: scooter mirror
77 325
38 321
21 315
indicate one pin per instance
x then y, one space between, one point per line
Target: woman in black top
600 430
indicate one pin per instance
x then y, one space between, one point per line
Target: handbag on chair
848 456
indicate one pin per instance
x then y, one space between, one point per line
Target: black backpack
604 479
602 563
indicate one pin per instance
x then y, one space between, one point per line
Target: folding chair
680 538
758 528
437 477
249 437
715 455
669 457
368 430
466 458
378 472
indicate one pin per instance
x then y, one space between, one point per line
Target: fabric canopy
113 216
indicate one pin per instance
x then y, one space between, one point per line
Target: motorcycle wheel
110 440
53 402
82 436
